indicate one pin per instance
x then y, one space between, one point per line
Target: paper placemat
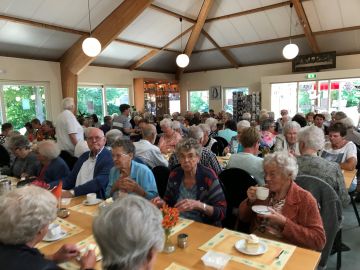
91 210
225 241
68 227
175 266
182 223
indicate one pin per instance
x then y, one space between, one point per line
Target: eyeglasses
95 138
118 156
189 156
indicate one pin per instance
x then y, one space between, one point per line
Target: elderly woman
235 144
339 149
48 130
123 243
288 140
267 130
170 137
351 134
193 188
53 167
208 142
212 122
294 213
127 175
25 163
25 216
111 136
229 131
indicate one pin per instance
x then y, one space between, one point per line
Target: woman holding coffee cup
25 217
293 212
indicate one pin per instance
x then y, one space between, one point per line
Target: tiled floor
351 237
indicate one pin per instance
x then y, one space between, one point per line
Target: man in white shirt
68 130
248 159
147 151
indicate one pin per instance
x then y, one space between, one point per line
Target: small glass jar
182 240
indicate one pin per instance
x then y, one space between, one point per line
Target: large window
228 96
20 103
198 101
317 96
101 100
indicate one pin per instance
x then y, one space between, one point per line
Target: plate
240 246
97 253
97 201
62 234
261 209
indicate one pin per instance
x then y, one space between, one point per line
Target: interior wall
251 77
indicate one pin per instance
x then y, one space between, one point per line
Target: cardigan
56 170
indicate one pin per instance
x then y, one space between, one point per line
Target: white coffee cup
91 198
262 193
53 230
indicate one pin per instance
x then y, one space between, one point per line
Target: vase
168 245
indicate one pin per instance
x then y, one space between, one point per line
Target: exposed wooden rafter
152 53
306 26
171 13
223 51
195 33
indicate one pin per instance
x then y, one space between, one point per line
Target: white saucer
261 209
240 246
62 234
97 201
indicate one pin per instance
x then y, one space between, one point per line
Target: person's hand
158 202
65 253
226 150
188 205
275 218
66 194
88 260
129 185
251 193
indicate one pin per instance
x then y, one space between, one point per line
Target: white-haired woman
111 136
212 122
170 137
294 214
208 142
235 144
53 167
351 134
288 140
25 216
124 244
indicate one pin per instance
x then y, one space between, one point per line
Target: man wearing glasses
91 172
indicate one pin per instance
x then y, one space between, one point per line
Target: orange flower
170 216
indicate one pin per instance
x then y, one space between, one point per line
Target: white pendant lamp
291 50
182 60
91 46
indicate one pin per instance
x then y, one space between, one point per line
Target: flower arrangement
170 218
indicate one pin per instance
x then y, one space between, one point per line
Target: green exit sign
311 76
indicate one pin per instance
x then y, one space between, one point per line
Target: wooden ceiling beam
171 13
195 33
152 53
223 51
305 25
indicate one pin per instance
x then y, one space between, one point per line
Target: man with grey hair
311 140
147 151
25 216
208 158
91 171
111 136
134 235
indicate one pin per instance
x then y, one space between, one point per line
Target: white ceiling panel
207 60
119 54
176 45
203 43
350 10
154 28
224 38
340 42
312 16
162 62
188 8
19 8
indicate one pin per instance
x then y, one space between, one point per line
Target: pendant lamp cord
181 35
89 15
291 5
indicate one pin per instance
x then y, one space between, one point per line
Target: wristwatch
204 207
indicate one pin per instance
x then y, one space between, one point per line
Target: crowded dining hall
179 135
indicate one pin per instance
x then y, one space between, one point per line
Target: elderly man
91 172
208 158
147 151
248 159
311 139
209 143
122 122
68 130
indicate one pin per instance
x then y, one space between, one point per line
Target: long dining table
190 257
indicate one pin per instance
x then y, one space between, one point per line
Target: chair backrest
330 209
221 144
161 174
235 183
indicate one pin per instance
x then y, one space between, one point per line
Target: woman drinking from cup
293 212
